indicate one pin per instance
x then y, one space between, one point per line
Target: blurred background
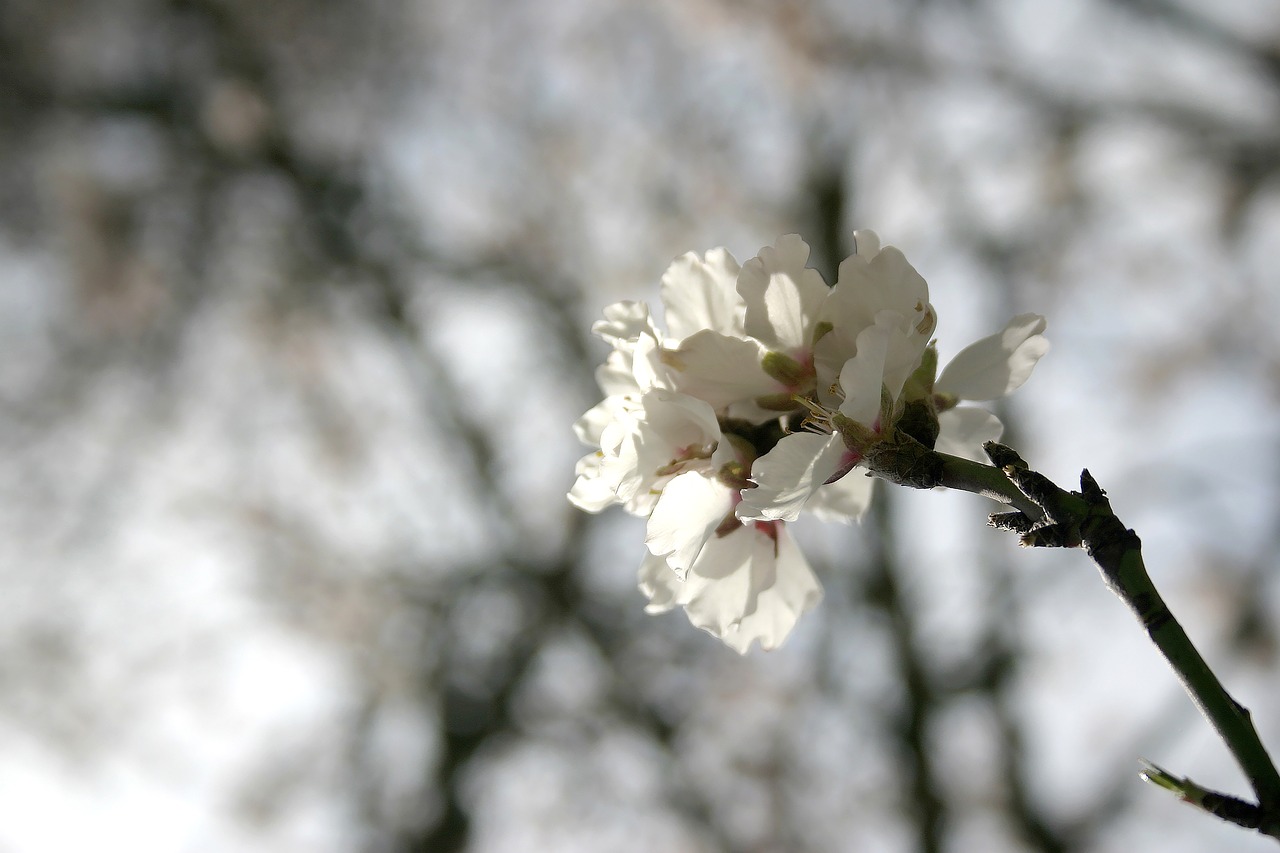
294 312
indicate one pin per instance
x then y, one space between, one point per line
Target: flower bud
919 384
793 374
920 421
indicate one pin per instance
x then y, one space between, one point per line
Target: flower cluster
759 401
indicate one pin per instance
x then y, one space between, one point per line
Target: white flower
644 442
803 463
758 403
635 365
700 293
698 504
760 353
873 286
747 585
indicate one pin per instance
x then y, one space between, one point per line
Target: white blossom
644 442
701 293
749 585
874 286
766 354
757 404
800 464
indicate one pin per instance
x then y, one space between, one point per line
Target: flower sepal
919 384
919 419
858 438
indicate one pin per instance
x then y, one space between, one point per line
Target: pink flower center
769 528
847 461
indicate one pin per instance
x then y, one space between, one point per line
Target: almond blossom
759 402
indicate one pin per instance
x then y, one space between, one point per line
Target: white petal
701 293
616 377
746 410
719 590
785 593
745 587
906 347
623 322
660 584
672 424
789 474
782 296
686 515
862 376
844 501
591 491
722 369
866 286
589 427
636 363
866 243
962 432
998 364
647 369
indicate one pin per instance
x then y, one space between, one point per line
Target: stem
1051 516
1117 553
968 476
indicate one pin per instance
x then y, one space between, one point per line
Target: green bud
920 384
788 371
942 402
920 421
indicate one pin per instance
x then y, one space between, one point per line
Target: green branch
1046 515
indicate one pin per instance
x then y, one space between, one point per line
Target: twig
1229 808
1049 516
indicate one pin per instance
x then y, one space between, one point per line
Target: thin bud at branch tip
1016 521
1003 457
1157 775
1090 489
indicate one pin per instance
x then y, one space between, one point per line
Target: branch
1224 806
1048 516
